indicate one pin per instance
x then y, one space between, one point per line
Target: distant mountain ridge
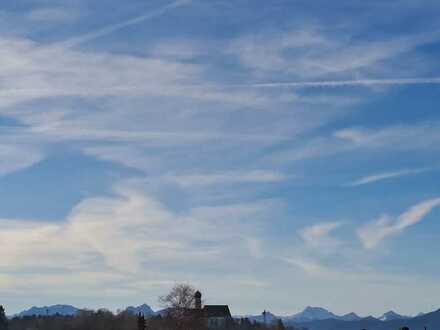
144 310
313 318
319 313
65 310
307 315
391 315
69 310
429 320
270 318
351 321
313 314
350 317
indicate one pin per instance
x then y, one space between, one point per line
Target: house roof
216 311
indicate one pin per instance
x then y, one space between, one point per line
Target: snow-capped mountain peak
391 315
313 313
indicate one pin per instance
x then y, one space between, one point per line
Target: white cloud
255 176
127 236
318 235
386 175
344 83
419 136
15 157
405 137
311 52
375 232
264 52
309 266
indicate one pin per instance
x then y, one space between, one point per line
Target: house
216 316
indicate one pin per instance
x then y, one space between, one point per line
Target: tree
280 325
180 305
181 296
141 322
3 319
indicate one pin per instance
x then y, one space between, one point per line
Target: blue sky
274 154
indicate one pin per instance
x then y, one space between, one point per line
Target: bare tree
180 304
181 296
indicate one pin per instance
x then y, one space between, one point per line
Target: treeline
106 320
84 320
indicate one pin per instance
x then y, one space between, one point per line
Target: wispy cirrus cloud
75 41
126 235
387 175
386 226
420 136
346 83
16 157
318 235
403 136
255 176
309 266
311 52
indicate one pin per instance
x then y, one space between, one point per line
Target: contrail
75 41
342 83
120 89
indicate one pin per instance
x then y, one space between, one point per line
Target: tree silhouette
280 325
3 319
181 296
141 322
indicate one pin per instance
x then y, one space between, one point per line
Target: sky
274 154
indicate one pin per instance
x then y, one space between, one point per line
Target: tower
198 300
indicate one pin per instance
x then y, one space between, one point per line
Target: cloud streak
372 234
75 41
386 175
256 176
15 157
318 235
347 83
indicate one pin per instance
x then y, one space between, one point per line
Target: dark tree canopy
280 325
3 319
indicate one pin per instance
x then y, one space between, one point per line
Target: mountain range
144 310
389 316
66 310
313 318
310 314
425 321
69 310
